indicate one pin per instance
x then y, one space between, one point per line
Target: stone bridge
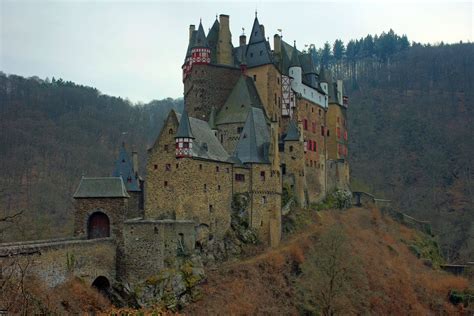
55 260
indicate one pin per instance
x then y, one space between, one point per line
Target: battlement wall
53 261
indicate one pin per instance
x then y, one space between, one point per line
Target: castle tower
200 51
295 69
294 168
213 40
184 137
224 45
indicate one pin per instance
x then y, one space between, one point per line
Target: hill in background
410 127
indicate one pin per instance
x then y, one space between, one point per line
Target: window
313 127
239 130
218 187
254 77
211 208
165 183
319 112
155 167
291 149
166 148
205 187
262 175
305 124
170 131
283 169
217 168
177 165
200 167
239 177
222 138
328 132
186 145
264 199
168 167
338 132
278 80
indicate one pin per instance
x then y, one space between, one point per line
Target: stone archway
98 226
102 284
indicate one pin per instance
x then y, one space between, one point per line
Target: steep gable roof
201 40
124 168
213 39
258 49
184 128
205 143
292 133
101 187
254 140
295 60
244 95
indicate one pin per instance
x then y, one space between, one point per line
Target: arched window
170 131
98 226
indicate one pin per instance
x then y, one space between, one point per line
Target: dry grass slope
398 283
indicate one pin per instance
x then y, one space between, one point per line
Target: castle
258 122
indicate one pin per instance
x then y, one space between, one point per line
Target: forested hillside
412 129
411 136
52 133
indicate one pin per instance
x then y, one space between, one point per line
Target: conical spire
255 139
201 40
323 75
295 61
184 129
292 132
257 34
124 169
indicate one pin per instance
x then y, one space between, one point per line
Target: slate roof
201 40
244 95
254 140
292 132
258 49
205 143
102 187
184 128
295 60
124 168
212 40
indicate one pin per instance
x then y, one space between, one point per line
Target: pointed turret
292 133
200 51
254 142
258 49
295 61
124 168
213 40
184 137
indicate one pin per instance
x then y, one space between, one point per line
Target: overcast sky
135 49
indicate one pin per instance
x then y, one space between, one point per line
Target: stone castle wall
54 261
208 86
149 243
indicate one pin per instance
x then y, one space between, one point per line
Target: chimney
224 45
192 27
262 29
135 162
277 44
243 40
